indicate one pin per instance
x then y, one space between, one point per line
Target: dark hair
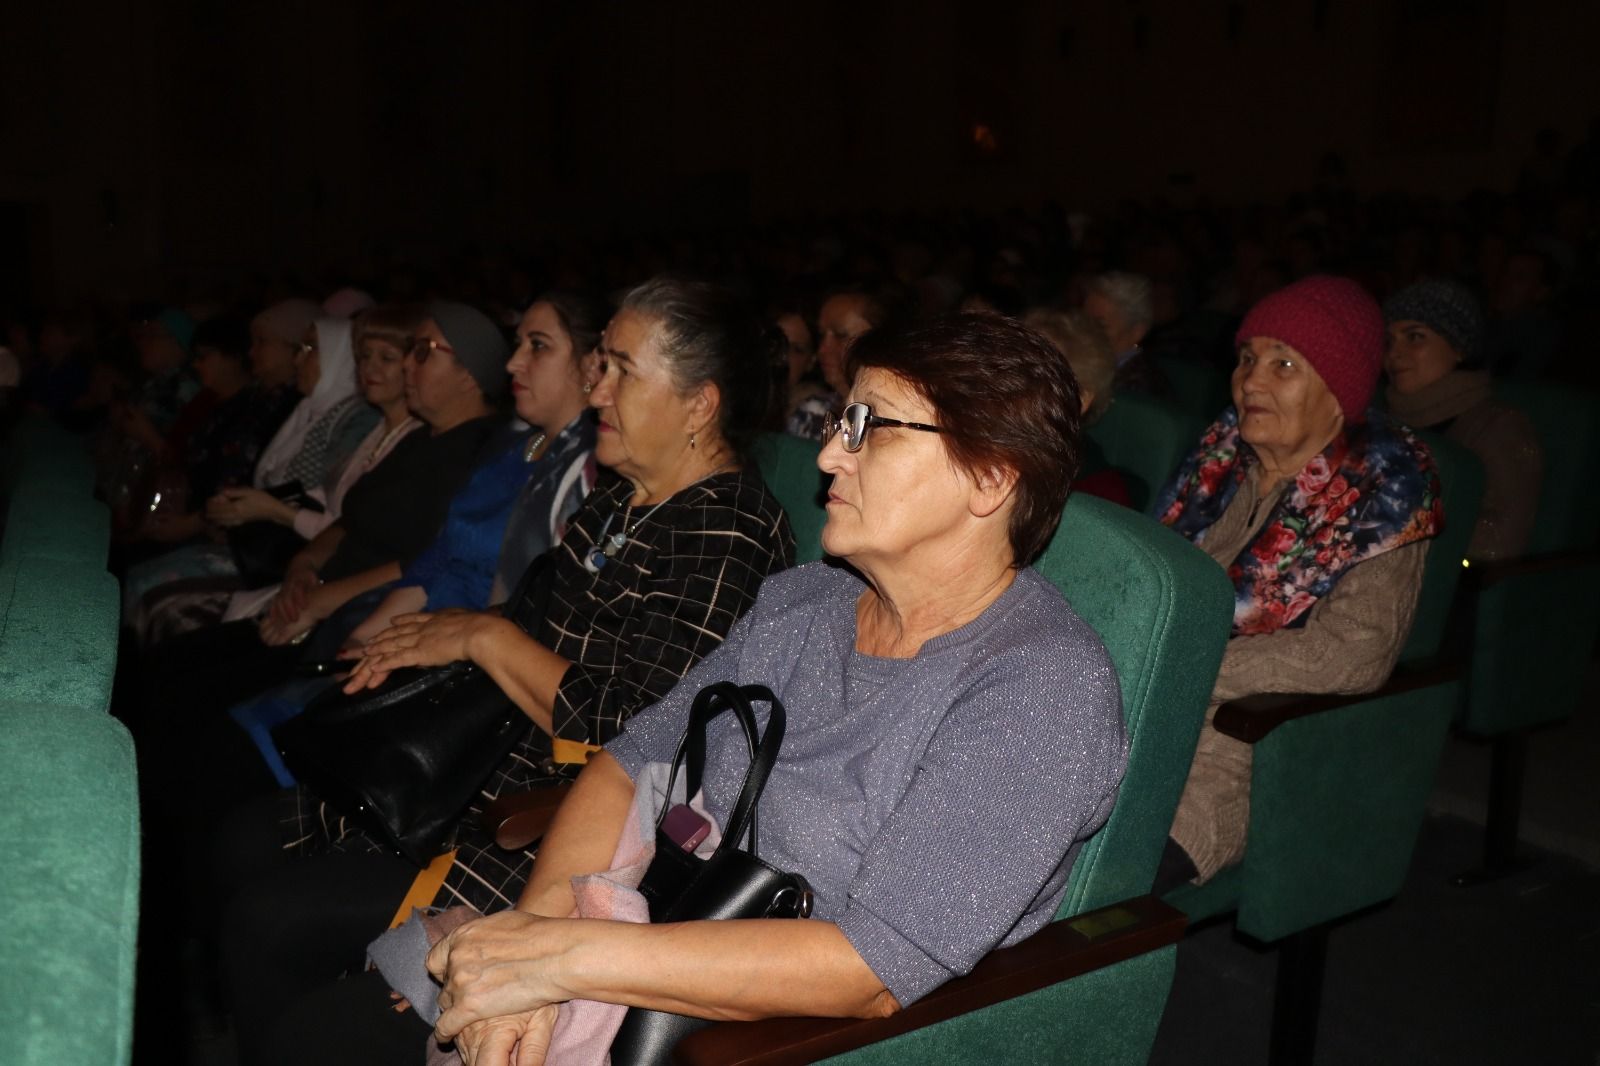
227 335
1005 398
710 333
582 316
394 324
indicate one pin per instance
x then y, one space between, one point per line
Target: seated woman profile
954 729
1320 511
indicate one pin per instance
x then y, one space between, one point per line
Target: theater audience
936 646
653 571
1320 510
1437 381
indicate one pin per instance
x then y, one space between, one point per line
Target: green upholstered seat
1146 439
58 632
788 464
1339 784
1163 610
1328 848
39 448
69 888
1536 622
1199 389
47 520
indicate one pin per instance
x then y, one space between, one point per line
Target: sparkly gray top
936 804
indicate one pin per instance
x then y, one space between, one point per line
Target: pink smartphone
685 828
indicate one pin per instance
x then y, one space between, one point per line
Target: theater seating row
69 820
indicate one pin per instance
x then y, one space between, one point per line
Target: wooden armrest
1253 717
1059 951
1483 575
520 818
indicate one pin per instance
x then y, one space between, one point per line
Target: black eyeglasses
852 425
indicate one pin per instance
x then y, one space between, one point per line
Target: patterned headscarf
1371 490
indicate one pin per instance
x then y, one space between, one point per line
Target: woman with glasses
954 729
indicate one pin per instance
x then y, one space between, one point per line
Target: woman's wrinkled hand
510 1040
496 967
418 640
318 605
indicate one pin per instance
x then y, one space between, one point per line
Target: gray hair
709 333
1131 294
1087 350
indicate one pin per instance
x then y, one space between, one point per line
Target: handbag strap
708 703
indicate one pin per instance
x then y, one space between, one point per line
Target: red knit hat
1336 325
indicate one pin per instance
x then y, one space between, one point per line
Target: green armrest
58 633
69 888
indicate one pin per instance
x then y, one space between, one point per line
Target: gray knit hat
1446 307
479 344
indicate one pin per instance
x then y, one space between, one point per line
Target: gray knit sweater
936 804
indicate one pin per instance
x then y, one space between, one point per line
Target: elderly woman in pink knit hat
1320 511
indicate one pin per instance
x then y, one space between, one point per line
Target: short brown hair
394 324
1004 397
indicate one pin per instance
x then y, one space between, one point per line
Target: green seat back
41 449
1461 481
1163 610
1199 390
69 888
1567 422
1536 631
1337 798
58 633
44 520
1146 439
788 464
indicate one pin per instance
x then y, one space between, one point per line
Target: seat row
70 818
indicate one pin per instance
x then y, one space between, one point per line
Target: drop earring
692 440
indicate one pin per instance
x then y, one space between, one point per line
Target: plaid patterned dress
689 568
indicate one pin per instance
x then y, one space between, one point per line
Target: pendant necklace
606 547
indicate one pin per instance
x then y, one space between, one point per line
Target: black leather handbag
405 760
731 882
262 550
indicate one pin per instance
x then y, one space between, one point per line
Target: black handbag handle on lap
730 882
708 704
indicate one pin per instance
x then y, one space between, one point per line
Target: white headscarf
336 382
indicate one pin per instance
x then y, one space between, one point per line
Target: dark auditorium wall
145 142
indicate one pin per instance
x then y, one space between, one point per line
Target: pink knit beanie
1336 325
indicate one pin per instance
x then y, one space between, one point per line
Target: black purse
262 550
731 882
405 760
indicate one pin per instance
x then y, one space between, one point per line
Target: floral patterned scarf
1373 489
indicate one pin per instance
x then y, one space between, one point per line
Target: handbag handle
708 703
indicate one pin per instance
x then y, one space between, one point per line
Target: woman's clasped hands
500 988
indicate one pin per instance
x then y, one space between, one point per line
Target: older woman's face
643 415
900 493
1284 405
382 369
801 354
545 381
1417 356
436 382
1109 317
